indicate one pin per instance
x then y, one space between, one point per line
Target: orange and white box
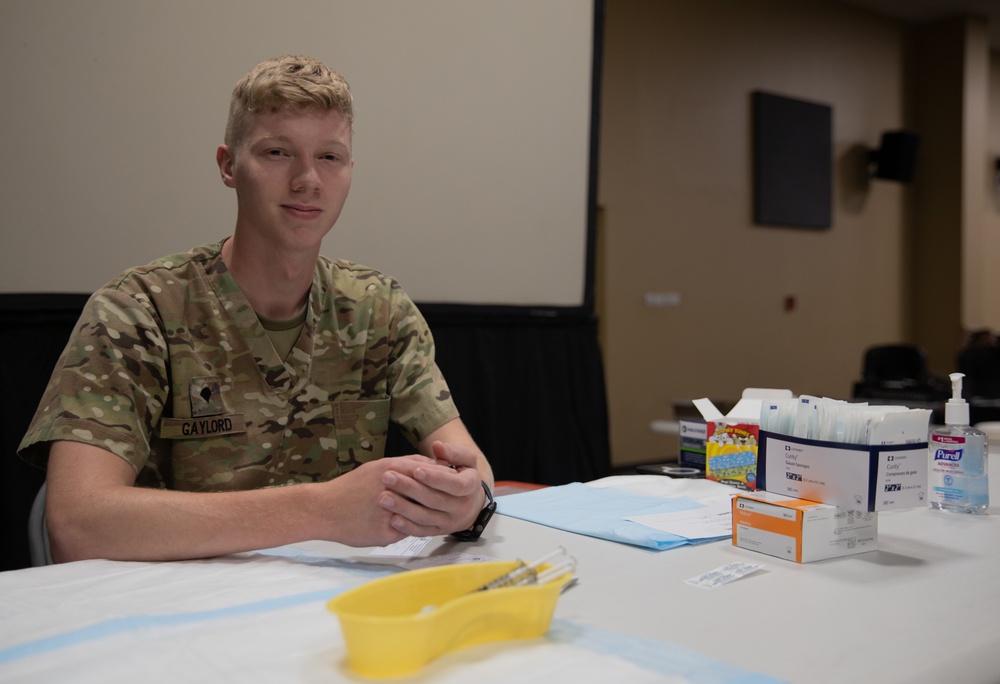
800 530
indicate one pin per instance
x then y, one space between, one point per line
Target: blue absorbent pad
600 512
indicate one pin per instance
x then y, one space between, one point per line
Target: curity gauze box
872 478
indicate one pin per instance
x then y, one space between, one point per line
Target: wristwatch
474 532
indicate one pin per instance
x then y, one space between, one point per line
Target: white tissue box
801 531
871 478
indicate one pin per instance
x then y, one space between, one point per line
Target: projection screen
472 146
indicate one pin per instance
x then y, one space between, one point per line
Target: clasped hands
420 496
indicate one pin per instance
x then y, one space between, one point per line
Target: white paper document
410 546
715 519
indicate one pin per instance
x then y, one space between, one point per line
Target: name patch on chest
193 428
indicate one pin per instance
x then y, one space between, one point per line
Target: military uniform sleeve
109 386
421 399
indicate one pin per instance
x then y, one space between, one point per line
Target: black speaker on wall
792 161
896 157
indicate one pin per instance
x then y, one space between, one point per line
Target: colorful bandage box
799 530
871 478
731 439
692 443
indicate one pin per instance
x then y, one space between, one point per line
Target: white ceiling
921 11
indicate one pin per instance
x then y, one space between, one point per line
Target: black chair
38 532
898 373
981 366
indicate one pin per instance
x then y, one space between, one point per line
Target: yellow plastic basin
390 631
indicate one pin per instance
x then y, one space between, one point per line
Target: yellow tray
390 632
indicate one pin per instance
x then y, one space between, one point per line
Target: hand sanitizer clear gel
958 480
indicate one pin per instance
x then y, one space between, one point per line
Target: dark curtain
530 388
34 329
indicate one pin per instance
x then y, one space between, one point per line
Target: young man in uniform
237 396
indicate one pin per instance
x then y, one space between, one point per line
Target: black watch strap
474 532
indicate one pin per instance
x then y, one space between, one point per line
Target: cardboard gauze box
871 478
799 530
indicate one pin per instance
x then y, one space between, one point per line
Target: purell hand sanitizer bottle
957 477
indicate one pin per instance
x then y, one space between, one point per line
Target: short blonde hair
289 81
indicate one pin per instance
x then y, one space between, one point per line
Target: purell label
948 455
947 449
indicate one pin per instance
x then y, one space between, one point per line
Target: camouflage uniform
170 369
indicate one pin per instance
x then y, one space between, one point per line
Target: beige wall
990 287
948 86
675 189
